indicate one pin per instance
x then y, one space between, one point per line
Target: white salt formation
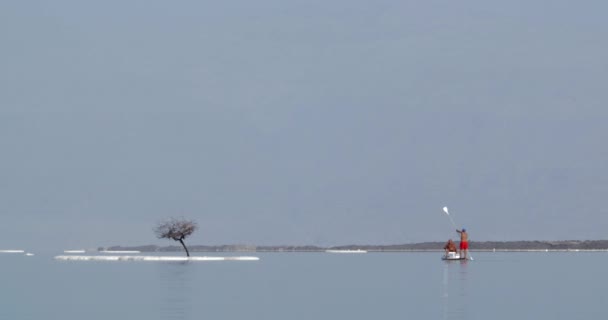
152 258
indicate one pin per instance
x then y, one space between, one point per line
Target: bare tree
177 229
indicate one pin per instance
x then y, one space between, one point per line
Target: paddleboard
453 256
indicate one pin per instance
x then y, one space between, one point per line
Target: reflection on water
455 294
176 290
303 286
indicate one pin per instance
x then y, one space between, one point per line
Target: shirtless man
450 247
464 243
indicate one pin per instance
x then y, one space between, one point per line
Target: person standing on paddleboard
464 243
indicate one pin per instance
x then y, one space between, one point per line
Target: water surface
538 285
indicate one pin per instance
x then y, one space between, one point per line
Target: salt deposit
151 258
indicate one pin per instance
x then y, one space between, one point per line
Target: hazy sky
302 122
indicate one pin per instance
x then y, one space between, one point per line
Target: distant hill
422 246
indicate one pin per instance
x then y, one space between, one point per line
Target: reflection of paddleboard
452 256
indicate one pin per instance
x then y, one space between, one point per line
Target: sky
302 122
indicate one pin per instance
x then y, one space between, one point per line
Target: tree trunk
184 245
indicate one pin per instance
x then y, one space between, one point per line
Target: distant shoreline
480 246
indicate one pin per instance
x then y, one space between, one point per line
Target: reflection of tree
176 288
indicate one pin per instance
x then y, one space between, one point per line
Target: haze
302 122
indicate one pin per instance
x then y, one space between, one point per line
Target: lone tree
176 229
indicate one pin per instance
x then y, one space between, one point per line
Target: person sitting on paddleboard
449 247
464 242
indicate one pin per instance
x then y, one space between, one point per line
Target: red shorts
464 246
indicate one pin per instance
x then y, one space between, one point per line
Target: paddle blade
445 209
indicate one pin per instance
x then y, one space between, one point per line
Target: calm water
311 286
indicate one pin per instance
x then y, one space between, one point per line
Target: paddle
445 209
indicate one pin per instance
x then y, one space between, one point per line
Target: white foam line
120 251
73 251
345 251
152 258
12 251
